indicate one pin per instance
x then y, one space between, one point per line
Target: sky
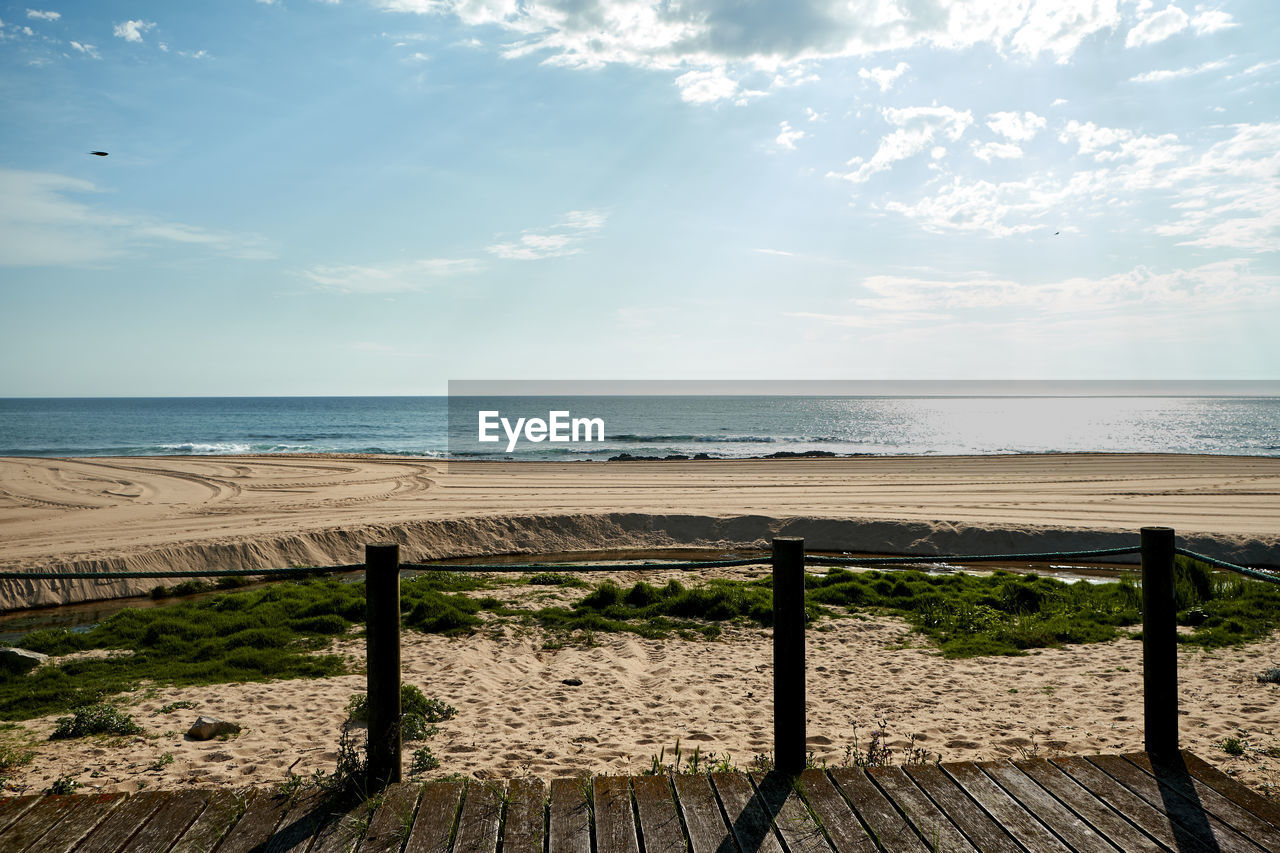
377 196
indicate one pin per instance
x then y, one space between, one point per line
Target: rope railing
1257 574
811 559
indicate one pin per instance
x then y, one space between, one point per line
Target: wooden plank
169 822
392 821
220 812
68 831
114 832
1188 818
701 812
262 814
39 820
615 821
1098 814
659 819
1148 818
481 814
307 814
1240 793
778 797
1006 811
883 821
1063 822
437 814
12 808
569 829
342 833
843 829
930 822
1175 775
751 825
967 815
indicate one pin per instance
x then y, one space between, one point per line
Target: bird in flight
98 153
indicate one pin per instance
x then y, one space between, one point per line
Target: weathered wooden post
382 611
788 655
1159 643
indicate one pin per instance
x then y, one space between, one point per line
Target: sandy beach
516 714
175 513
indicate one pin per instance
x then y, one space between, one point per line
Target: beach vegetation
1234 746
418 713
423 761
99 719
62 785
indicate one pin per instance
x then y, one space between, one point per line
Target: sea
1142 419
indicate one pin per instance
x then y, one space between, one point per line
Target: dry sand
175 513
515 714
516 717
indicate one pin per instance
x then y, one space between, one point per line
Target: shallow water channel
83 617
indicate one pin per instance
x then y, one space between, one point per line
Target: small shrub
95 720
1233 746
423 761
63 785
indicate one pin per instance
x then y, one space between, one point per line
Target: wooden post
382 610
1159 643
789 742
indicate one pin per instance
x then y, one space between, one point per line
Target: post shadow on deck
789 742
382 613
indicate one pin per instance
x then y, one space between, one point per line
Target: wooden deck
1094 803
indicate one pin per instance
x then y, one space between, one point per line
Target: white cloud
902 299
704 87
787 138
1212 21
994 150
1060 26
1057 102
42 225
87 49
1261 66
39 15
814 115
733 41
195 54
1019 127
883 77
917 128
1225 196
133 30
1157 27
559 240
1176 73
389 278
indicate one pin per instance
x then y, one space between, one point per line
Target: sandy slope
174 513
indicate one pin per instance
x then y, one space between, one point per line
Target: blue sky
377 196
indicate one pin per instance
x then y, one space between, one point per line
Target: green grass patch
98 719
657 612
272 632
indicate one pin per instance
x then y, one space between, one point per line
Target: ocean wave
632 438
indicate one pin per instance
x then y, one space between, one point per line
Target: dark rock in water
1270 676
20 660
702 456
803 454
206 728
627 457
572 682
676 456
